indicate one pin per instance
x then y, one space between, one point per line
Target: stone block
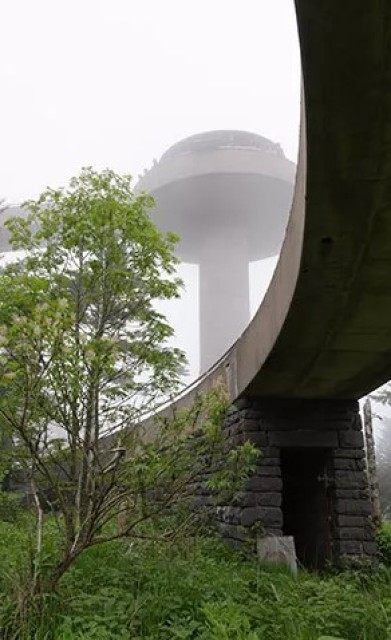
235 440
357 423
229 431
278 551
230 420
300 438
358 454
229 514
353 507
272 531
235 545
270 499
271 517
259 438
250 515
339 424
281 424
268 471
234 532
349 464
250 414
248 426
272 453
354 533
246 499
264 425
200 502
351 521
264 483
349 547
351 439
347 494
232 411
370 548
267 516
266 461
243 403
350 479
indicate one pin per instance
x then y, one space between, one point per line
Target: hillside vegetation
195 590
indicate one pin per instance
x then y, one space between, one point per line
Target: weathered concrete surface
336 338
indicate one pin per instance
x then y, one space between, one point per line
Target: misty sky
114 83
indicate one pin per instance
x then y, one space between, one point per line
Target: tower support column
224 299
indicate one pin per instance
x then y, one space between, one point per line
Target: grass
198 590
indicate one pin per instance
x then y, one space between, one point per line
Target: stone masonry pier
310 481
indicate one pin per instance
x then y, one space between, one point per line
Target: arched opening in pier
306 503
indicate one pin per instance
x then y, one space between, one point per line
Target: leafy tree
84 357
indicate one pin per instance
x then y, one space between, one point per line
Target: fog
115 83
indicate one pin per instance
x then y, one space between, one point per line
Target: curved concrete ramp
324 327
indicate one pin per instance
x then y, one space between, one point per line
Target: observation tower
227 194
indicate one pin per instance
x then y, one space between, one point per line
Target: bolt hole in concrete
306 503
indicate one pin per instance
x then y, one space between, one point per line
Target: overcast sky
114 83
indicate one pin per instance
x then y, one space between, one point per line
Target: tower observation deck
227 194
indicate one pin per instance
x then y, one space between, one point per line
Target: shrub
383 541
199 590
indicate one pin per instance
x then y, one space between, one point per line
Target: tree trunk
50 585
371 464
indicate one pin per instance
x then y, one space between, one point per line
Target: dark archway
306 503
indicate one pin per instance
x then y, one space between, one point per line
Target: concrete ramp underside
324 327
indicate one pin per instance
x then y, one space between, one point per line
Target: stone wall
277 426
